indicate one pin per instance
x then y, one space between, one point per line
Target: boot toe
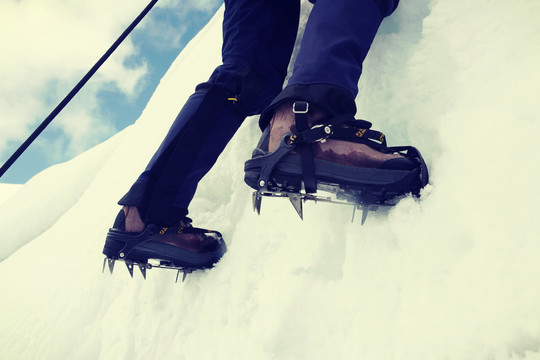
399 164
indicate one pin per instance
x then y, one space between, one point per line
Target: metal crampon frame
145 266
298 198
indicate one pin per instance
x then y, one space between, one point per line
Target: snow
6 190
452 276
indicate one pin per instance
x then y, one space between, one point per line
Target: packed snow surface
7 190
454 275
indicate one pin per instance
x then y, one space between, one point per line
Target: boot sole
361 185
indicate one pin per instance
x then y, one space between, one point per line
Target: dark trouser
258 38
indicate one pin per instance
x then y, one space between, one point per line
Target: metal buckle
327 129
305 111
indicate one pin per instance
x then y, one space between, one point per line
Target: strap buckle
318 133
304 107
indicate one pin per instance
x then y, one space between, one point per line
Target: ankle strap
300 110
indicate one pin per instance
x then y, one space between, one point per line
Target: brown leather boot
304 150
191 241
333 150
180 244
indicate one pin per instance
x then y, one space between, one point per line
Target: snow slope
452 276
6 190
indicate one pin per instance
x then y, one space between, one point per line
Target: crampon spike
109 261
257 200
111 265
130 268
185 273
142 267
296 202
365 211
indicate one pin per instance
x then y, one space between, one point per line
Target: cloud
165 29
170 20
47 46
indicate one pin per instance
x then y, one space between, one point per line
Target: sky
51 45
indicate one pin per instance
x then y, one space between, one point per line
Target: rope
75 90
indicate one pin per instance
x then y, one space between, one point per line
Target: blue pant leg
258 41
336 41
171 176
258 38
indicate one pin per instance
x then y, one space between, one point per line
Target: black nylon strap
360 135
300 109
316 134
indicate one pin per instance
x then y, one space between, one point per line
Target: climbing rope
75 90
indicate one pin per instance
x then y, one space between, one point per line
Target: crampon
292 172
163 247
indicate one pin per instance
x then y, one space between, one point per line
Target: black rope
75 90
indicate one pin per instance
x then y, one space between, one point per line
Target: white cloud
46 48
171 19
84 131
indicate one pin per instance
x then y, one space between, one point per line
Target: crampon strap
343 127
300 109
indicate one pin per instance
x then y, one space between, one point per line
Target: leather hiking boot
180 244
301 149
337 151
